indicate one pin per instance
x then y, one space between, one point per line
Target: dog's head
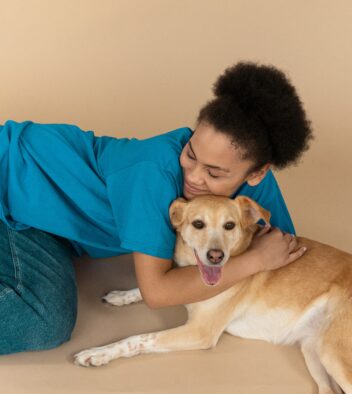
216 228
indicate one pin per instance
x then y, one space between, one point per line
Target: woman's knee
28 328
38 293
56 329
60 317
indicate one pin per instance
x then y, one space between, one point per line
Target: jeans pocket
10 273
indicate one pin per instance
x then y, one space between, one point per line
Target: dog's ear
250 211
176 212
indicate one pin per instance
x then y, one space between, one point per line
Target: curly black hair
259 109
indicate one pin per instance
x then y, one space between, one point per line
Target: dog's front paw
93 357
122 297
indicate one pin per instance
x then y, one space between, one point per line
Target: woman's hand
273 248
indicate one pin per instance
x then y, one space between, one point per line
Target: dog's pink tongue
210 275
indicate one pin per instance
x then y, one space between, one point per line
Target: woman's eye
190 157
209 173
198 224
229 226
213 176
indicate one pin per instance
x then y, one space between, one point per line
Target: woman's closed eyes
193 158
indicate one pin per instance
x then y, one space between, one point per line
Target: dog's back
322 270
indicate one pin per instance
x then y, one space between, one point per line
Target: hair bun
254 87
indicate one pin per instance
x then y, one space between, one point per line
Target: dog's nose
215 256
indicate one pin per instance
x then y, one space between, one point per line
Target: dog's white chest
278 325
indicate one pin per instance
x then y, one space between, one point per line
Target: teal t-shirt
107 195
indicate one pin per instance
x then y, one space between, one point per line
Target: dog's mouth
210 274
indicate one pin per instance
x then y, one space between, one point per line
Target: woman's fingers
297 254
292 243
292 246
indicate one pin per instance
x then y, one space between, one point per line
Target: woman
64 190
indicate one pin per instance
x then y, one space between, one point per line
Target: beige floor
234 366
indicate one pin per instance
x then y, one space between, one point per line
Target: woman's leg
38 294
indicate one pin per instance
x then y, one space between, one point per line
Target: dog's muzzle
210 274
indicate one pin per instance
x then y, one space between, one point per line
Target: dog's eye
198 224
229 225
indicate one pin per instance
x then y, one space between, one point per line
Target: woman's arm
161 285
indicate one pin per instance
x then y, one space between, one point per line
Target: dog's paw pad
122 297
91 357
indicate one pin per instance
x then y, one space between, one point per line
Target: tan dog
308 302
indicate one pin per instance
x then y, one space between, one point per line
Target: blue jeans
38 294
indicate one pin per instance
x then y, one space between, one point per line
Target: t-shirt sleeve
268 195
140 196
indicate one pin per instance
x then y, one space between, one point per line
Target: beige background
144 67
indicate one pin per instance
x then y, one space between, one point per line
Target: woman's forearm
185 286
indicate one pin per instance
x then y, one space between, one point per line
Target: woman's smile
191 189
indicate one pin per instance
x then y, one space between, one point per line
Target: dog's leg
325 383
122 297
186 337
195 334
128 347
336 346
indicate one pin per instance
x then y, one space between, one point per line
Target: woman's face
212 165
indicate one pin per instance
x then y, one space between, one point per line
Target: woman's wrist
244 265
252 262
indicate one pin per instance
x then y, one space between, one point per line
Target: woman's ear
176 212
250 211
254 178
